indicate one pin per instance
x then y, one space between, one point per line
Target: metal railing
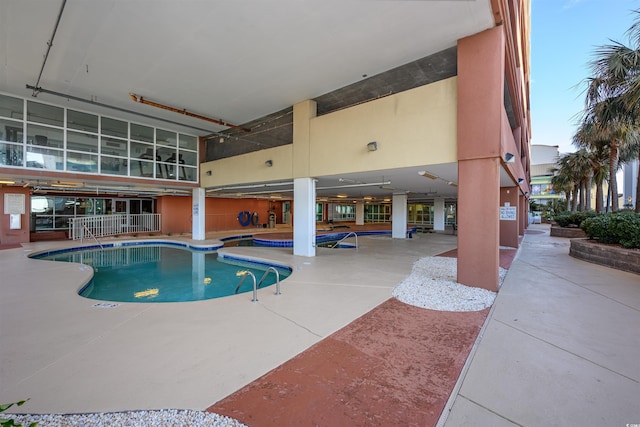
264 276
255 287
92 235
351 233
111 225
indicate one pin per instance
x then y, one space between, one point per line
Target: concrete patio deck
559 346
68 356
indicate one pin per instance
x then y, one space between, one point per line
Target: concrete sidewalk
561 345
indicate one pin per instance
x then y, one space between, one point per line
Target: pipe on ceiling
123 110
49 44
141 100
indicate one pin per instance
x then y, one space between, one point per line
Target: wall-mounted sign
507 213
13 204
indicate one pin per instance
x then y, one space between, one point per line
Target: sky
564 36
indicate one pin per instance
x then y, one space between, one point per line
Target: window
54 138
11 107
45 114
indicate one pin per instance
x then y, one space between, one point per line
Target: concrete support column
360 213
481 81
509 217
399 216
438 214
478 223
304 223
198 213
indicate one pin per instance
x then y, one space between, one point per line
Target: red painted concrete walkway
396 365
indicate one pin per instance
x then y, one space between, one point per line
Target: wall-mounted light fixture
520 180
509 158
7 182
268 163
372 146
208 173
427 175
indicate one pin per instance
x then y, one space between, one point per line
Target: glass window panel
189 142
11 131
78 162
42 204
83 206
141 133
82 142
62 222
113 127
188 158
166 138
11 107
142 169
139 150
99 205
167 154
44 222
11 155
82 121
134 207
187 174
47 114
45 136
114 146
64 205
113 165
147 206
44 158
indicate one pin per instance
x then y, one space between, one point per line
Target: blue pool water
159 273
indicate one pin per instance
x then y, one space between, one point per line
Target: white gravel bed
160 418
432 284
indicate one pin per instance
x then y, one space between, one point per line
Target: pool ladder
352 233
256 285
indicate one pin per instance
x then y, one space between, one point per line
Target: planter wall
569 232
607 255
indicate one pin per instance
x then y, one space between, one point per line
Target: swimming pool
162 273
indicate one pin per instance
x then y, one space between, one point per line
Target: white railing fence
88 227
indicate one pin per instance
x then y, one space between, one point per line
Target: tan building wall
409 127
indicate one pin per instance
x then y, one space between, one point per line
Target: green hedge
616 227
573 219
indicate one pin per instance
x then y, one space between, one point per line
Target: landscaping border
608 255
569 232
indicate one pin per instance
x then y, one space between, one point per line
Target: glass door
121 207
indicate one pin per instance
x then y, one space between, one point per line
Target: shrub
616 227
9 422
573 219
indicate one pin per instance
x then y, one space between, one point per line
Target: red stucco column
480 107
478 223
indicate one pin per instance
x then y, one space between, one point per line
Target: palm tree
614 95
571 176
562 183
588 139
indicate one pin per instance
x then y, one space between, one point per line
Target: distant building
544 160
630 182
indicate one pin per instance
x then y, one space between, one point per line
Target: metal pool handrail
91 234
277 278
345 237
255 288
